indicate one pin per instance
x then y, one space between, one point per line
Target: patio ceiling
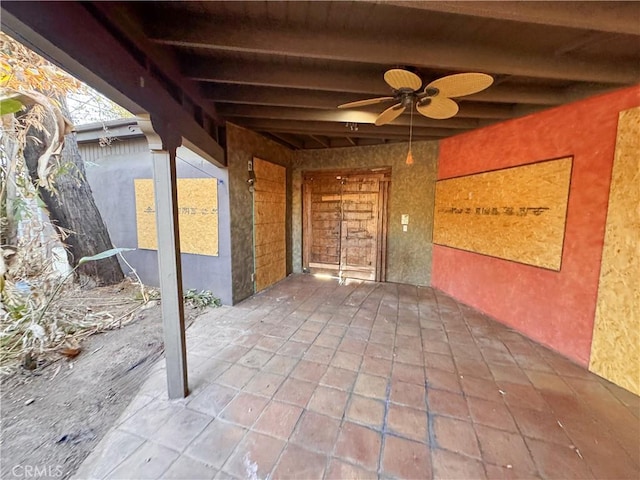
281 68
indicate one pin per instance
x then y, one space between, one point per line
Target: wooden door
359 229
323 246
269 224
345 223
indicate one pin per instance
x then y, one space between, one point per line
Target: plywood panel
556 309
269 204
615 351
197 215
516 213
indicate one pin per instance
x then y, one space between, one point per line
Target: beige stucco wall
242 146
412 193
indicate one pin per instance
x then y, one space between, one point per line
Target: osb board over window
197 215
516 213
269 203
615 350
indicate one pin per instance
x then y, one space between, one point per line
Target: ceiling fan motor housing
407 99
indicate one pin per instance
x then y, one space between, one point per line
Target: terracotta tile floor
315 380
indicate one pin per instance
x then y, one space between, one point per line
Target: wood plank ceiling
281 68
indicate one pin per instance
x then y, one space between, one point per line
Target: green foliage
10 105
201 299
106 254
21 209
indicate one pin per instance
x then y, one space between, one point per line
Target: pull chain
409 160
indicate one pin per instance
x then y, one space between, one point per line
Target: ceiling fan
435 101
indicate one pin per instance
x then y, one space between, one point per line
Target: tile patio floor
315 380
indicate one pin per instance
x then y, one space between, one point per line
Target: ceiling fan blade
363 103
397 78
438 108
390 114
461 84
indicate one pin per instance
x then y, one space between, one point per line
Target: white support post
170 271
163 151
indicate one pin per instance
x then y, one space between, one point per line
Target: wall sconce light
251 180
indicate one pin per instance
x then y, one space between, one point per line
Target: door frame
383 213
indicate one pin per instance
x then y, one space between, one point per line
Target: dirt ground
52 417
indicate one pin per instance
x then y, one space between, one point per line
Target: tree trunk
72 207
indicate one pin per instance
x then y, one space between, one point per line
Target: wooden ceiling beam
290 141
613 17
266 74
364 47
489 110
580 91
337 129
321 141
363 81
588 38
357 135
118 15
277 97
229 110
297 97
338 142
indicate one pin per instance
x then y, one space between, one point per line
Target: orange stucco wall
554 308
